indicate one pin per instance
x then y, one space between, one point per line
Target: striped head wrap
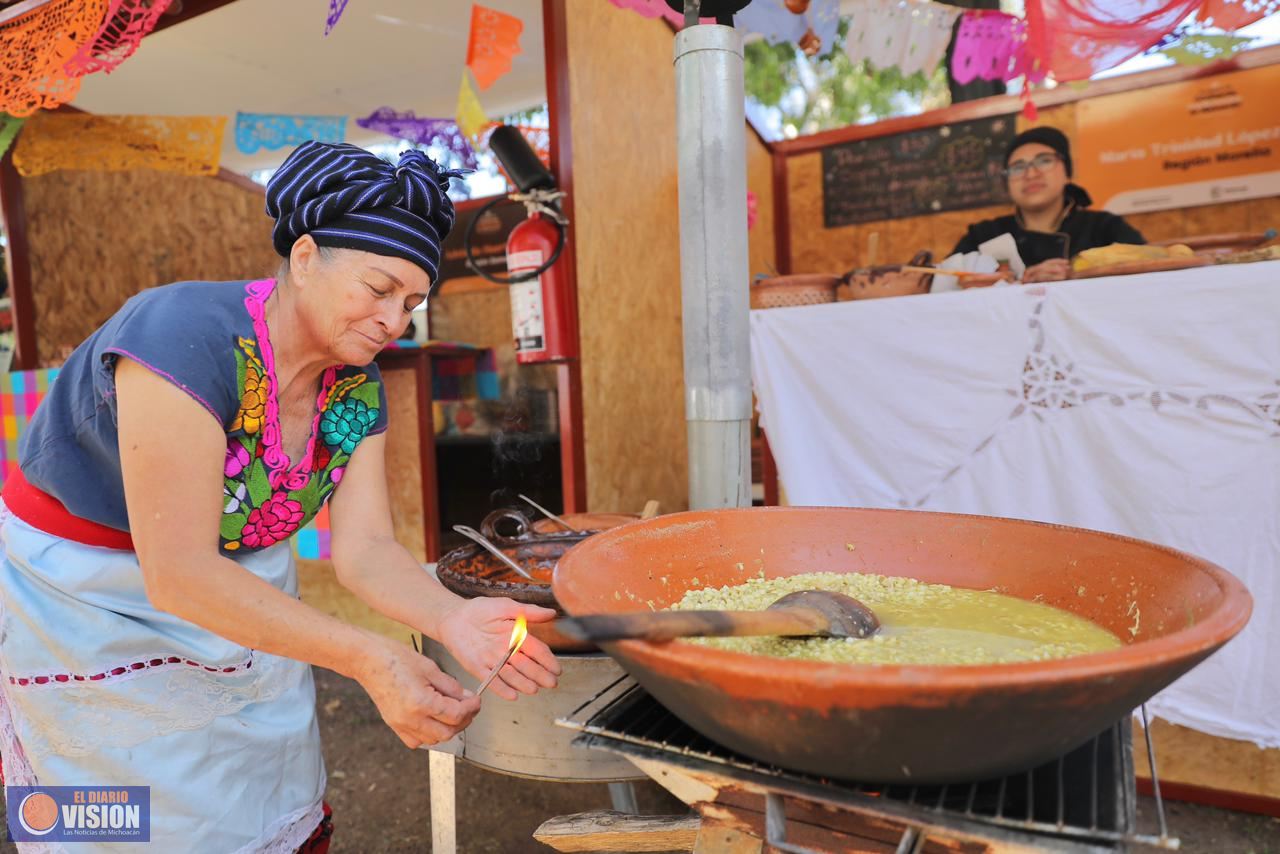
347 198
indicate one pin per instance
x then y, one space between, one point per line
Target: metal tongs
476 536
545 512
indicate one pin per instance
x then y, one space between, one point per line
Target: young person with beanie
1052 221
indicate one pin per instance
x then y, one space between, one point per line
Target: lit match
518 633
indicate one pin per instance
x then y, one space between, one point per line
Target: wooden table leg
444 818
427 453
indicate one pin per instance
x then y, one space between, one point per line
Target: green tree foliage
829 91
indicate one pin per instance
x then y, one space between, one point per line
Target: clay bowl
887 280
585 522
536 546
895 723
471 571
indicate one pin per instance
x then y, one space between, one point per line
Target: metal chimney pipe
711 134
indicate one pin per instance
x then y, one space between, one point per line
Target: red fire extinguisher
543 317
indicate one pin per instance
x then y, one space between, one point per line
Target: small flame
518 634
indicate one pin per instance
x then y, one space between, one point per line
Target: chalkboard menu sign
945 168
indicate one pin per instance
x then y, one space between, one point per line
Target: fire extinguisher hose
535 201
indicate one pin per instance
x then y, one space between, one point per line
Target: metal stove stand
1083 801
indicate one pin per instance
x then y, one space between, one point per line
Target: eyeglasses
1041 162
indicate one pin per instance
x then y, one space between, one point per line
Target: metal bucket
521 738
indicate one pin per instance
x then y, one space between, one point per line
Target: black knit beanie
1057 140
1052 137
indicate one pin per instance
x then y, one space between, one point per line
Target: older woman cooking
1052 221
152 633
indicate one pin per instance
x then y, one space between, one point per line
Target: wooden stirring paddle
938 271
805 613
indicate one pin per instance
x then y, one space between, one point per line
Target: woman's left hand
477 633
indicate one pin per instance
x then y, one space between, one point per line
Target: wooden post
555 48
18 262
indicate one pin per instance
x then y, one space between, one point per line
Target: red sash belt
41 510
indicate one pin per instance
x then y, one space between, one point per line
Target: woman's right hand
422 704
1053 270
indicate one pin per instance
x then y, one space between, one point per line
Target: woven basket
783 291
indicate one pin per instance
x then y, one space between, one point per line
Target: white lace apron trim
287 833
17 769
283 836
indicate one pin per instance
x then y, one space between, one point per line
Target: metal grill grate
1087 795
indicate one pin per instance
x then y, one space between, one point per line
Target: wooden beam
17 10
186 10
768 472
244 182
573 455
1220 798
18 265
423 376
814 827
606 830
781 213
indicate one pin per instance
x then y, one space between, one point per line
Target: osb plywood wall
1199 759
622 103
480 315
815 249
98 238
1253 215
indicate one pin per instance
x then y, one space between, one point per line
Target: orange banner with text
1199 142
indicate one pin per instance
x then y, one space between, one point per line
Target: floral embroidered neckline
267 496
281 471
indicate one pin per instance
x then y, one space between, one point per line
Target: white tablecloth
1145 405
